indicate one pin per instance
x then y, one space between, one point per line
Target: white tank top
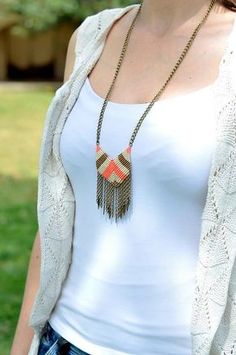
130 286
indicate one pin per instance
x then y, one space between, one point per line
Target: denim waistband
52 343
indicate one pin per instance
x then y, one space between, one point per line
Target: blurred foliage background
35 16
33 33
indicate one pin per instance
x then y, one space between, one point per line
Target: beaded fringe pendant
113 182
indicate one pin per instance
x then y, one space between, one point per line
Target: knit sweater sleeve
89 30
86 32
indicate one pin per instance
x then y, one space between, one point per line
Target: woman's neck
163 16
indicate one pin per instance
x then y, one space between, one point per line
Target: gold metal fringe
114 200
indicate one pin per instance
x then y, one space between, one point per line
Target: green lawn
21 120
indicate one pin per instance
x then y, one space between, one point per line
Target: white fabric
130 285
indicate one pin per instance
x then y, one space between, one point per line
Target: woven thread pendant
113 182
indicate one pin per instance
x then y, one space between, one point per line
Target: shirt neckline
212 86
202 91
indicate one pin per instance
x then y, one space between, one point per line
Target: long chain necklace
114 175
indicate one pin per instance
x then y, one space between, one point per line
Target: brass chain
157 96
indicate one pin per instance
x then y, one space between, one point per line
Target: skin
160 34
158 44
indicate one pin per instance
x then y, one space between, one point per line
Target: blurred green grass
21 120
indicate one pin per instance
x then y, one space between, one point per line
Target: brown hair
229 4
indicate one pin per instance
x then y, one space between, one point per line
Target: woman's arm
24 333
70 58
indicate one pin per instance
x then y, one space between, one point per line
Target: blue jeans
52 343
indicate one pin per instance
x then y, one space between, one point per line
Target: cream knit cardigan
214 305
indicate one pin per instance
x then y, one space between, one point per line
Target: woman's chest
174 144
149 60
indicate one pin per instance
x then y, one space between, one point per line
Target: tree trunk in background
3 55
31 51
19 51
42 48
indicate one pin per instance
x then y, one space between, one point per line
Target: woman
130 287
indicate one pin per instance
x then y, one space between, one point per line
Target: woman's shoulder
97 22
106 15
87 31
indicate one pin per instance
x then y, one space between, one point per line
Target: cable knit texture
214 304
